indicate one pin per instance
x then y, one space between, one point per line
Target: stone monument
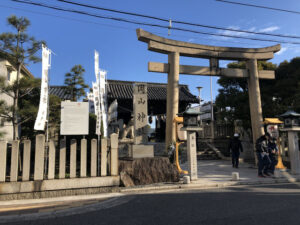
140 112
140 148
192 151
190 125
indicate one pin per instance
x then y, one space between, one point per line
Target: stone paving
220 172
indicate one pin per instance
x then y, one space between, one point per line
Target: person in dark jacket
235 147
261 146
273 151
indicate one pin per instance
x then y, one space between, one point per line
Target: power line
114 10
121 27
259 6
148 24
177 21
68 18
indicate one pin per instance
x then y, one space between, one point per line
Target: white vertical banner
96 92
97 108
43 107
103 100
97 67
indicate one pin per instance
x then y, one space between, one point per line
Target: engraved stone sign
140 111
192 155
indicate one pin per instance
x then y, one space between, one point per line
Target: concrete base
58 184
59 193
186 179
142 151
235 176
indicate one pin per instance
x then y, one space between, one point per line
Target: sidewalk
32 209
219 172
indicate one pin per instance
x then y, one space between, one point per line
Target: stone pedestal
141 151
294 153
192 151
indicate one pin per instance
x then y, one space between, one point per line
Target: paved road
268 204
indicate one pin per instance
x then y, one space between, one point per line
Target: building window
2 121
9 72
8 75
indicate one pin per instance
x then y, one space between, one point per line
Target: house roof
290 113
118 89
24 70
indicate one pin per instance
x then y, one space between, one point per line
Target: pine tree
74 82
18 48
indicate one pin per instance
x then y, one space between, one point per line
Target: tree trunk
16 96
15 106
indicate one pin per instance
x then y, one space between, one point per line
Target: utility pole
199 96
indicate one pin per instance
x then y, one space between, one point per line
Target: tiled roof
59 91
124 90
156 91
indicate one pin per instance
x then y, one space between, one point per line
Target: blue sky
74 37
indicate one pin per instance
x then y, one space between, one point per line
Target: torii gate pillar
254 100
172 95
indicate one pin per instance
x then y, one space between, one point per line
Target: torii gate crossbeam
175 49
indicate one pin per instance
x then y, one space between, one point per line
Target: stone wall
147 171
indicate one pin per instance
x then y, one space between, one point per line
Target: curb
163 187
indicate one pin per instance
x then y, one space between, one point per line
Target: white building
9 72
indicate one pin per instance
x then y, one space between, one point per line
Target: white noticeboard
74 118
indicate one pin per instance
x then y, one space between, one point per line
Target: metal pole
212 109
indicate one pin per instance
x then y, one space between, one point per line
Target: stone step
207 154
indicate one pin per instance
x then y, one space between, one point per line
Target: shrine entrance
174 49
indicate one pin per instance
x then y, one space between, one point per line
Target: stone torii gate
174 49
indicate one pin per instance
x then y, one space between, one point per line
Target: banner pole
98 155
47 120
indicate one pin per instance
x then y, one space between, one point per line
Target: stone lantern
190 117
291 119
190 125
292 126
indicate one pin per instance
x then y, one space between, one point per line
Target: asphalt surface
265 204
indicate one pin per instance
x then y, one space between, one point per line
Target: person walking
261 146
235 147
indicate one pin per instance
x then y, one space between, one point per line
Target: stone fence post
114 155
3 153
14 161
26 160
39 157
103 157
